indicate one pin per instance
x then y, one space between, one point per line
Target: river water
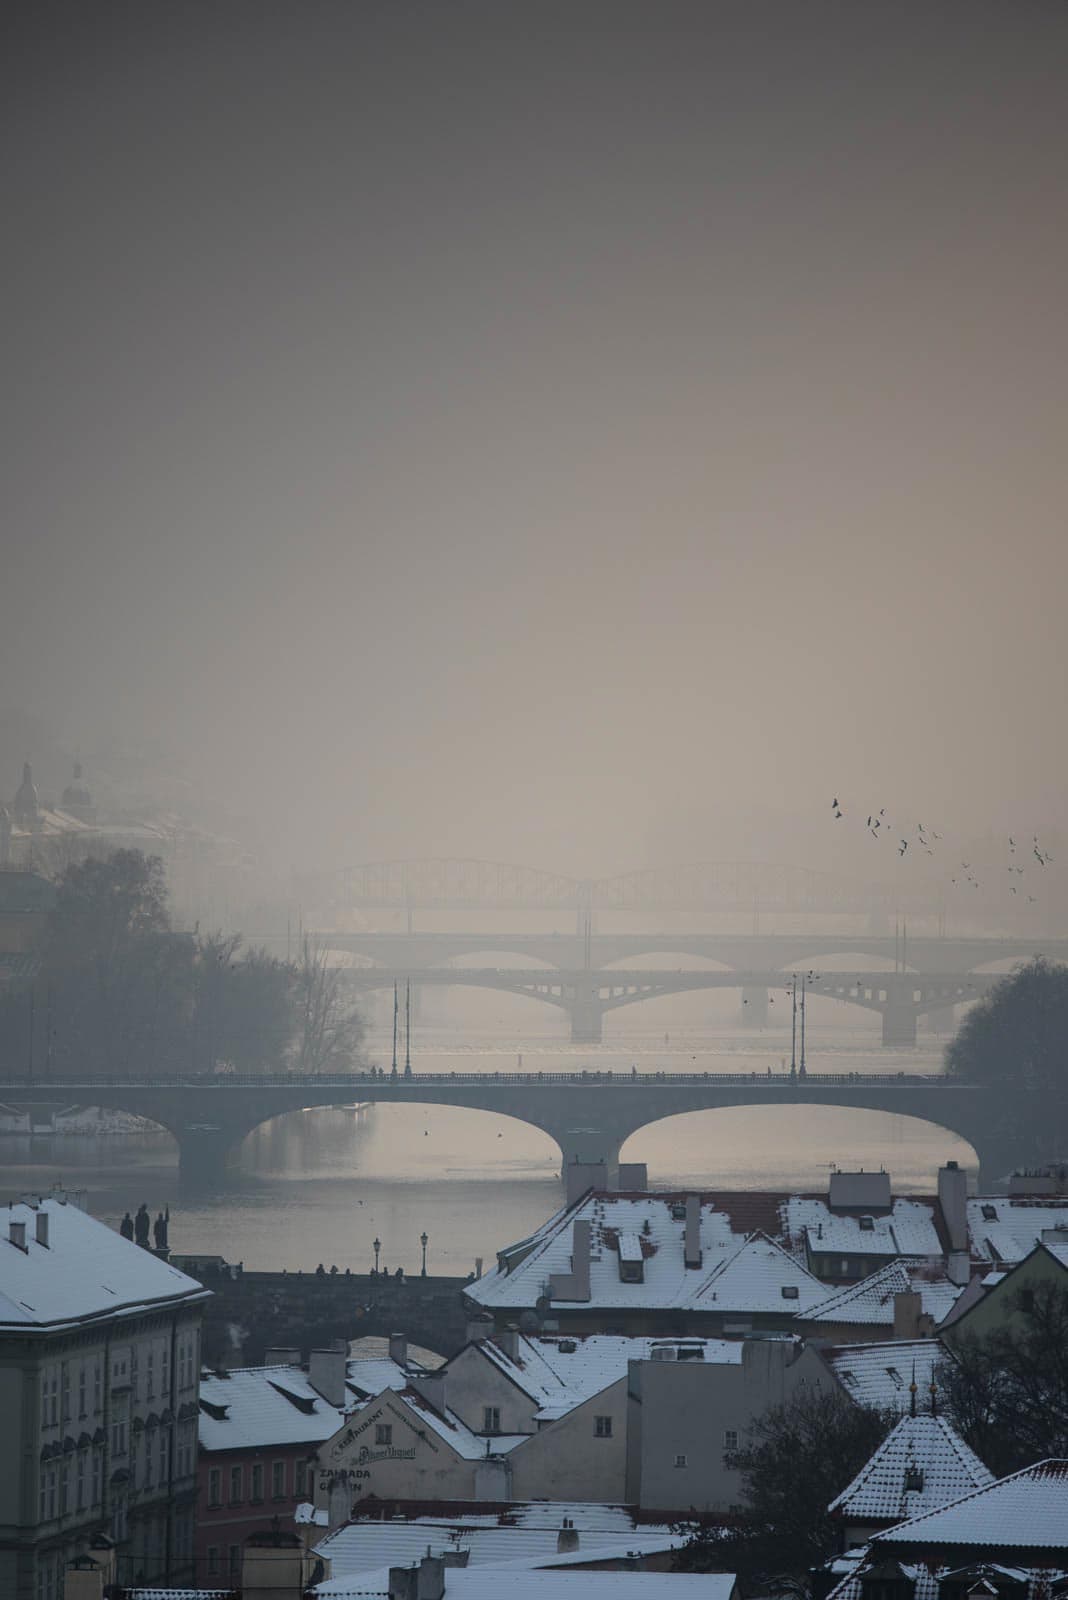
321 1185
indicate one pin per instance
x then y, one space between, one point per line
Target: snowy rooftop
1038 1583
871 1301
560 1372
485 1583
448 1426
277 1405
85 1270
658 1220
879 1375
1006 1230
1025 1511
524 1536
908 1229
923 1463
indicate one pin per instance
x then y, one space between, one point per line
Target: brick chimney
953 1200
574 1285
398 1349
326 1374
692 1236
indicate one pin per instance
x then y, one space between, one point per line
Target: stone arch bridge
588 1114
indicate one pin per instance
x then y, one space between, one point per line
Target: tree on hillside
1007 1391
329 1030
115 977
1018 1033
243 1006
797 1459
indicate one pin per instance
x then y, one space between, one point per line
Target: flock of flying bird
925 839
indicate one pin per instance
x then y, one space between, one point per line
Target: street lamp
424 1241
376 1247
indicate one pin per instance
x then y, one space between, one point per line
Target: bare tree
329 1030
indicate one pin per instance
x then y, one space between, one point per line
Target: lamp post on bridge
376 1247
424 1241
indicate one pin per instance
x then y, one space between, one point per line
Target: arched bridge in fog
899 997
588 1114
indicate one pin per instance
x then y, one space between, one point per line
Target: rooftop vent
678 1212
789 1291
867 1224
42 1228
567 1347
17 1234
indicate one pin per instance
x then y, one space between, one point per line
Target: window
150 1374
789 1291
164 1452
48 1494
80 1491
680 1461
148 1462
236 1476
730 1439
300 1479
383 1433
602 1427
118 1436
213 1559
66 1392
844 1267
98 1383
165 1371
119 1527
235 1560
81 1390
64 1487
256 1486
186 1450
214 1486
98 1475
278 1479
491 1419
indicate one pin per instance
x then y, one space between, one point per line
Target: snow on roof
667 1282
560 1377
923 1463
879 1375
908 1229
448 1426
251 1406
1038 1582
523 1536
557 1584
1005 1229
871 1300
86 1270
758 1276
1026 1510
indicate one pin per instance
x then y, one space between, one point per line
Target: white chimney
567 1539
508 1340
398 1349
959 1267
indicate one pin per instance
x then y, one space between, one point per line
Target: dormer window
914 1480
990 1213
789 1291
867 1224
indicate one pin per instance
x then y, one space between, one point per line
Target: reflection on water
321 1185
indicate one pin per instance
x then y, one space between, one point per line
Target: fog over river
320 1185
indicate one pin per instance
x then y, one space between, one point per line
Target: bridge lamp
424 1241
376 1247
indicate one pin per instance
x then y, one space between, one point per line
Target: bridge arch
702 1145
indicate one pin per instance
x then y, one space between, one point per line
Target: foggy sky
582 434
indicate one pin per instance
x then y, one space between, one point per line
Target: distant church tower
5 836
77 801
27 810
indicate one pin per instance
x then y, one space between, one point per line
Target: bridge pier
590 1147
587 1018
755 1007
899 1022
204 1153
942 1021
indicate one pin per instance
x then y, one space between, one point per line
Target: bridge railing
584 1079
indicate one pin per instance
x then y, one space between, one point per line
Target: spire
912 1390
26 805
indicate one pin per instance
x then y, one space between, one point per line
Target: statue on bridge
126 1227
159 1230
142 1225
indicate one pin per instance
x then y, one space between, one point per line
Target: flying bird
904 847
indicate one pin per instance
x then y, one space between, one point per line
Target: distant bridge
435 884
588 1114
899 997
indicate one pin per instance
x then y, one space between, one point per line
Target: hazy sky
582 433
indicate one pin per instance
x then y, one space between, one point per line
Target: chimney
508 1340
42 1228
478 1329
424 1582
574 1285
953 1200
581 1176
398 1349
431 1386
908 1307
281 1356
17 1234
326 1374
959 1267
567 1540
692 1237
